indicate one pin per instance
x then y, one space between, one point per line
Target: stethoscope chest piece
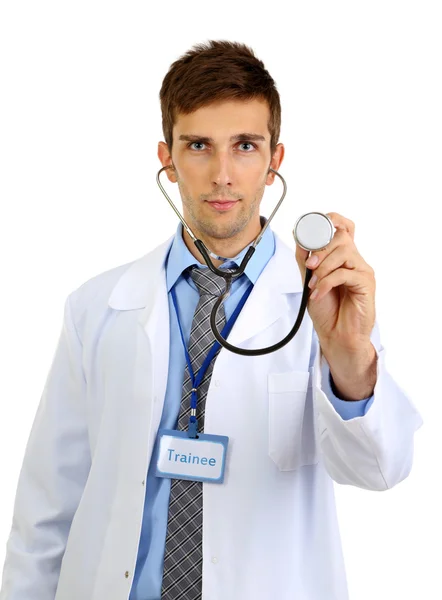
313 231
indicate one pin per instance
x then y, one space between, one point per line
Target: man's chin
221 232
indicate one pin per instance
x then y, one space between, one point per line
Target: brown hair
215 71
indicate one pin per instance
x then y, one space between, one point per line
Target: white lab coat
270 531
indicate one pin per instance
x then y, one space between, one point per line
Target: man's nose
222 169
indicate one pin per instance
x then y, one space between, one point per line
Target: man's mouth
222 204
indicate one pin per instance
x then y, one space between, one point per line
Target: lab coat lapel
268 300
143 288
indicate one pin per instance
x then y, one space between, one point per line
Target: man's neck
228 248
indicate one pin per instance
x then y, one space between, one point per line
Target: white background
360 86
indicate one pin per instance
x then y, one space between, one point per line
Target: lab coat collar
144 282
134 289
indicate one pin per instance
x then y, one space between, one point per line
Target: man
94 516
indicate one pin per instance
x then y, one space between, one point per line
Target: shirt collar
180 257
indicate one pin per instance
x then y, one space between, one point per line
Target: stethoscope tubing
231 274
269 349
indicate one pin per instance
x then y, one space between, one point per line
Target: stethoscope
312 231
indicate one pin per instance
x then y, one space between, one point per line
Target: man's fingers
341 222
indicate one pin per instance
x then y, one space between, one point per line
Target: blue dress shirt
149 568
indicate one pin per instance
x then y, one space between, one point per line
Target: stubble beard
210 228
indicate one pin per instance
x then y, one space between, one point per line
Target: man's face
222 152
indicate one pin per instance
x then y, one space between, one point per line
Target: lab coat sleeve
373 450
52 478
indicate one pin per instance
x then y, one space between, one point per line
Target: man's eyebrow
240 137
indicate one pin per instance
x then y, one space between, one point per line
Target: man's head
221 122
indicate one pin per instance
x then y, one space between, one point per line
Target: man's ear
166 160
275 163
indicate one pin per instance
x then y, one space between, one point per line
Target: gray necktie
183 559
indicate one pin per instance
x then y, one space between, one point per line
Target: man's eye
193 143
248 144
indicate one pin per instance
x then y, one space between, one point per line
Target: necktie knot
208 282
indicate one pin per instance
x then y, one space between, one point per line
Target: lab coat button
217 382
214 560
126 574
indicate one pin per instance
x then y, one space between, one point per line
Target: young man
94 519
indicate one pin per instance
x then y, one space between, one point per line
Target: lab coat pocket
292 442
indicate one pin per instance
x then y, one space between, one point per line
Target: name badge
196 459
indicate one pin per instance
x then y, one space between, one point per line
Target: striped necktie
183 559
